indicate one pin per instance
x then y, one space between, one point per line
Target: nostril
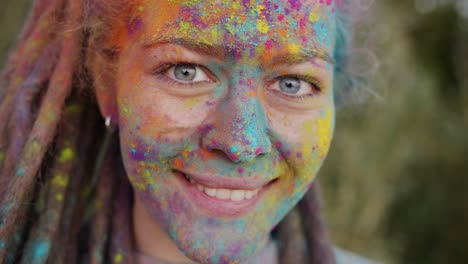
236 143
237 152
244 156
213 142
259 151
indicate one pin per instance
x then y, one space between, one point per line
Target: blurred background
395 184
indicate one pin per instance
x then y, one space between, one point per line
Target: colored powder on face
324 125
138 185
295 4
178 163
125 110
137 155
233 149
135 26
192 102
321 31
308 129
278 144
187 2
262 26
184 26
258 151
251 132
269 44
148 178
294 48
314 17
258 32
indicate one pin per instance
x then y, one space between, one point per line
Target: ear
103 71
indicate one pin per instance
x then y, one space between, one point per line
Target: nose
240 127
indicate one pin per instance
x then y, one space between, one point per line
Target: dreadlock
61 177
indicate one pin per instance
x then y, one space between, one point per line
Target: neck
151 240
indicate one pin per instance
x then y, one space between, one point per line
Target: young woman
169 131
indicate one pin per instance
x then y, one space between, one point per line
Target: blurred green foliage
12 14
396 179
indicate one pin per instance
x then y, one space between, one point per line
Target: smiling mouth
225 194
221 196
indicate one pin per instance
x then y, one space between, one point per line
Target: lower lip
217 207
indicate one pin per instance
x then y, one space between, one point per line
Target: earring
108 121
102 152
109 125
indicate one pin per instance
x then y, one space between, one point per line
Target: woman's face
225 114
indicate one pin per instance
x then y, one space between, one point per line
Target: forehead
291 24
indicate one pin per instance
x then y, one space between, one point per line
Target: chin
218 246
217 253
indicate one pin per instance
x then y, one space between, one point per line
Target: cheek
307 127
317 134
306 153
304 138
156 114
325 128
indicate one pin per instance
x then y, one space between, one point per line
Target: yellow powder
262 26
314 17
308 129
324 126
293 48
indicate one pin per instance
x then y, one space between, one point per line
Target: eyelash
310 80
161 70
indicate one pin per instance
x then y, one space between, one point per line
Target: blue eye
187 73
294 86
290 85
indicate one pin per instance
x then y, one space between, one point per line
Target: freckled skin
237 125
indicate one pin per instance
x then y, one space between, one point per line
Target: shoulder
346 257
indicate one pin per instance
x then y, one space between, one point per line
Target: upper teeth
226 194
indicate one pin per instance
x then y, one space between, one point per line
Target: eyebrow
219 51
203 48
291 59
